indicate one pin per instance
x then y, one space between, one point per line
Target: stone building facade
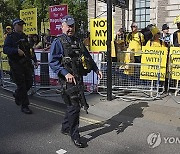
153 11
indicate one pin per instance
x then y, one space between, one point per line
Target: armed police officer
67 57
17 48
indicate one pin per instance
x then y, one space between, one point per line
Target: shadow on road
117 123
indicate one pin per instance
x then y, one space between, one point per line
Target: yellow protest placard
44 27
175 63
98 35
30 18
153 63
1 35
4 61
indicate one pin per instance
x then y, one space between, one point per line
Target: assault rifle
76 92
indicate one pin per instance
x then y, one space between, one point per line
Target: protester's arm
56 55
9 46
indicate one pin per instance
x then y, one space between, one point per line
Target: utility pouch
86 65
73 92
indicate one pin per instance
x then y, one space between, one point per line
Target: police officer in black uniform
17 48
67 49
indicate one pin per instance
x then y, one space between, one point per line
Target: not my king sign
98 34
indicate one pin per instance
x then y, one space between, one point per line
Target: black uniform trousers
71 120
22 76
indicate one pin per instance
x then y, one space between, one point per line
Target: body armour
19 41
74 60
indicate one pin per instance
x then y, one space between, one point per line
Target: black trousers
71 119
23 77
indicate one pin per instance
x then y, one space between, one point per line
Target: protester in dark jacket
176 36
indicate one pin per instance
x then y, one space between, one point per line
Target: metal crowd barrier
46 82
126 81
174 73
6 77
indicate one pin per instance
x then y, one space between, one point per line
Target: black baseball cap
68 19
165 26
18 21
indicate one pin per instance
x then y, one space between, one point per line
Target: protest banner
1 35
175 63
56 12
98 35
153 63
30 18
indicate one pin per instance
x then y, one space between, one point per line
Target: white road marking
87 136
87 120
107 125
61 151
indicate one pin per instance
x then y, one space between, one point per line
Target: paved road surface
39 133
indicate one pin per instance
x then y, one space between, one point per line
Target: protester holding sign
155 41
135 40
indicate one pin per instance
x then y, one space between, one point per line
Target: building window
142 13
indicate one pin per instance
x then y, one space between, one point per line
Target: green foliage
10 10
78 9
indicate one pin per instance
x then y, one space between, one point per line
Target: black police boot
65 132
26 110
79 144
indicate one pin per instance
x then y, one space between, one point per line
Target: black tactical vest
73 53
20 41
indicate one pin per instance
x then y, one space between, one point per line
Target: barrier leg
151 93
44 70
177 81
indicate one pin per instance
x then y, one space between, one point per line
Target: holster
73 92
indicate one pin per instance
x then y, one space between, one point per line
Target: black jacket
175 38
14 41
